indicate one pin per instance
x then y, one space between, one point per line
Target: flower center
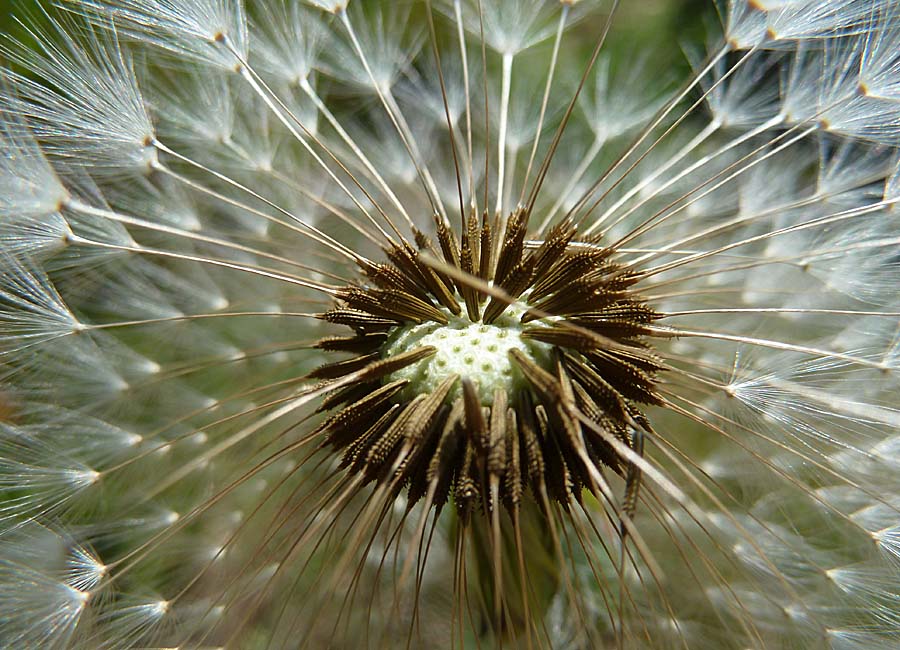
477 351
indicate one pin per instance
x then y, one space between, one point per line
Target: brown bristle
348 395
358 319
472 239
422 240
564 271
513 285
387 276
392 303
361 344
447 241
485 269
469 294
513 245
341 368
553 248
407 261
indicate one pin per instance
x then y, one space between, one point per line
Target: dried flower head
441 324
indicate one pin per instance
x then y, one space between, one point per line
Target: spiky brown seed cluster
569 414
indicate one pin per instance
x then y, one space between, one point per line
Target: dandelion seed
347 324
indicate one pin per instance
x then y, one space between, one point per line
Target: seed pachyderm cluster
442 324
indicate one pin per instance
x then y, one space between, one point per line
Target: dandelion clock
443 324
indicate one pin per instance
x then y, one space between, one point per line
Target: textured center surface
474 350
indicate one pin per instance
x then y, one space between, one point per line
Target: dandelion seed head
198 29
449 324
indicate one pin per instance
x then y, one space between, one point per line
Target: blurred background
667 24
